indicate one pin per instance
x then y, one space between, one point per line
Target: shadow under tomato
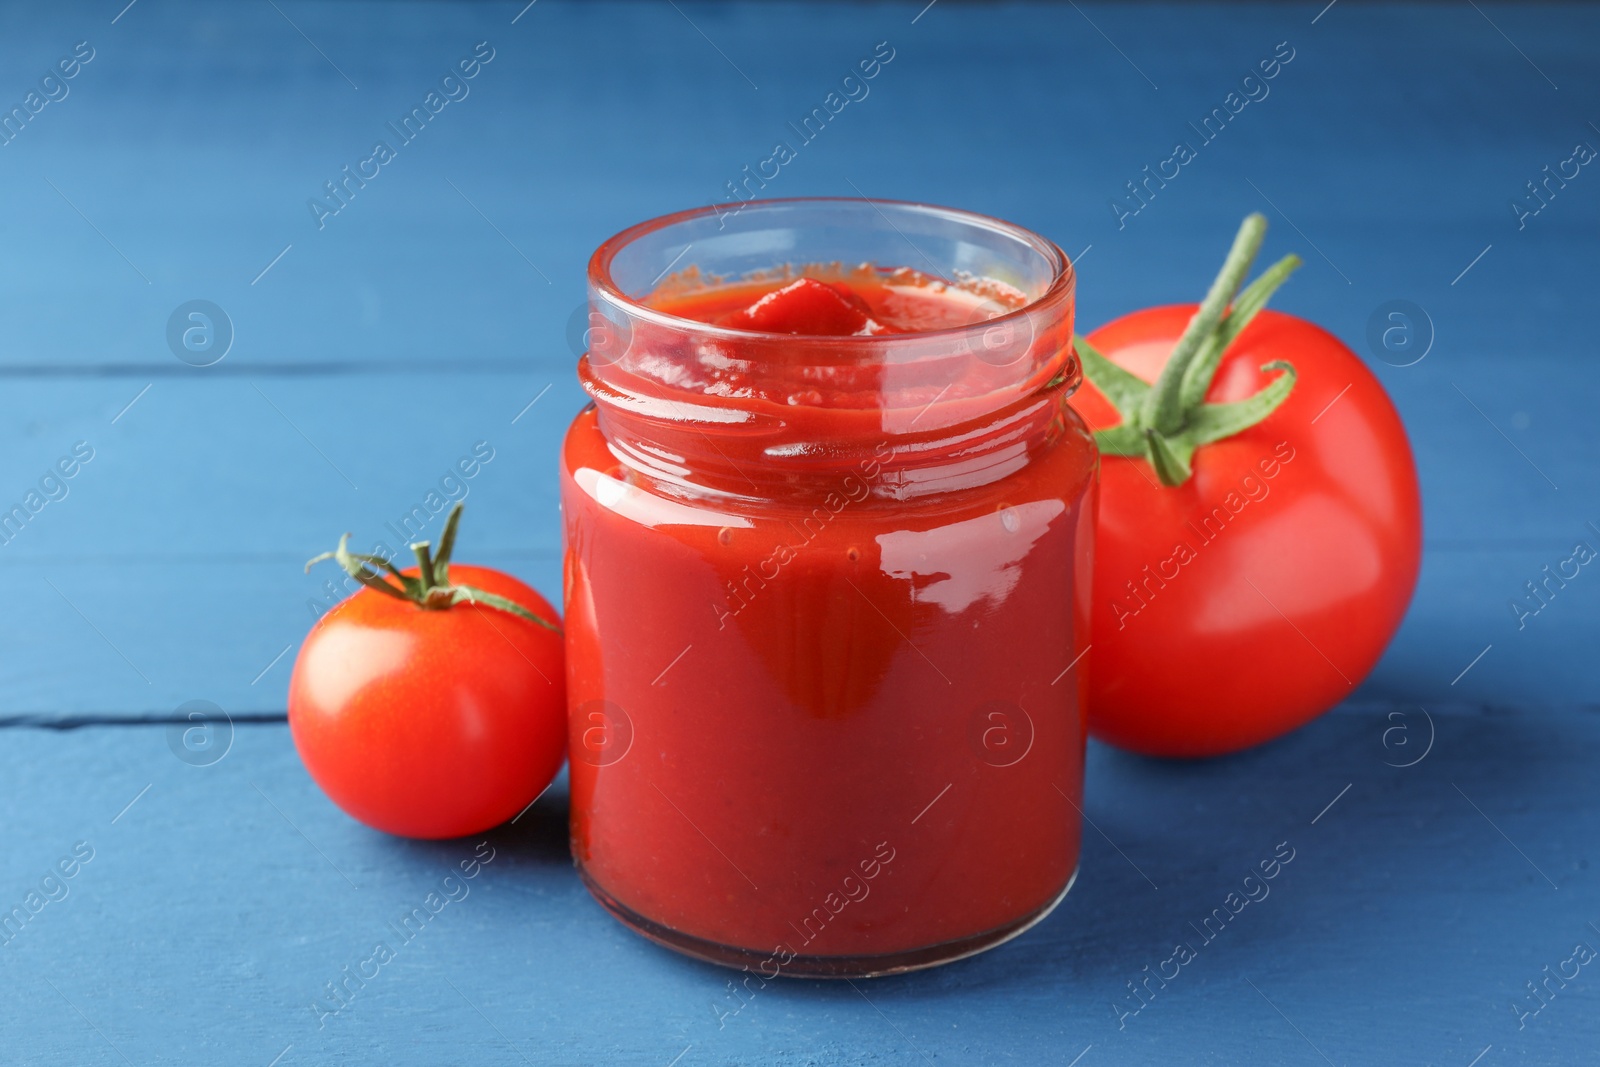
538 836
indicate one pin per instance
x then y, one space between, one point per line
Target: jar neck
689 444
699 407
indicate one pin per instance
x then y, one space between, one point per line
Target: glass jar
827 600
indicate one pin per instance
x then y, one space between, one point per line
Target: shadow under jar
826 596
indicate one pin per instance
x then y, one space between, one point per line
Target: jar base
845 967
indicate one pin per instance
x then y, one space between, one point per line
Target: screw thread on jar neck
696 407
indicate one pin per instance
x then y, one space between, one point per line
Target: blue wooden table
367 331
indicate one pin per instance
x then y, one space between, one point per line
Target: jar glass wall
827 598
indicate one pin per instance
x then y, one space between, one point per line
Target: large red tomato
432 722
1258 593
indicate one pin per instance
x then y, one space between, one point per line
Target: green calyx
1167 421
431 589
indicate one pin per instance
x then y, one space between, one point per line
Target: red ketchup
827 550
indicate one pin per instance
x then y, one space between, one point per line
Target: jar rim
1063 280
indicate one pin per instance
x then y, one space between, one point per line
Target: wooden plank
180 541
1398 199
1390 866
278 462
173 562
223 468
137 637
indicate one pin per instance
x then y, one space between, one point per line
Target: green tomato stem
1166 422
1163 405
424 565
431 589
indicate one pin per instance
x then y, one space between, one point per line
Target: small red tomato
437 709
1253 560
